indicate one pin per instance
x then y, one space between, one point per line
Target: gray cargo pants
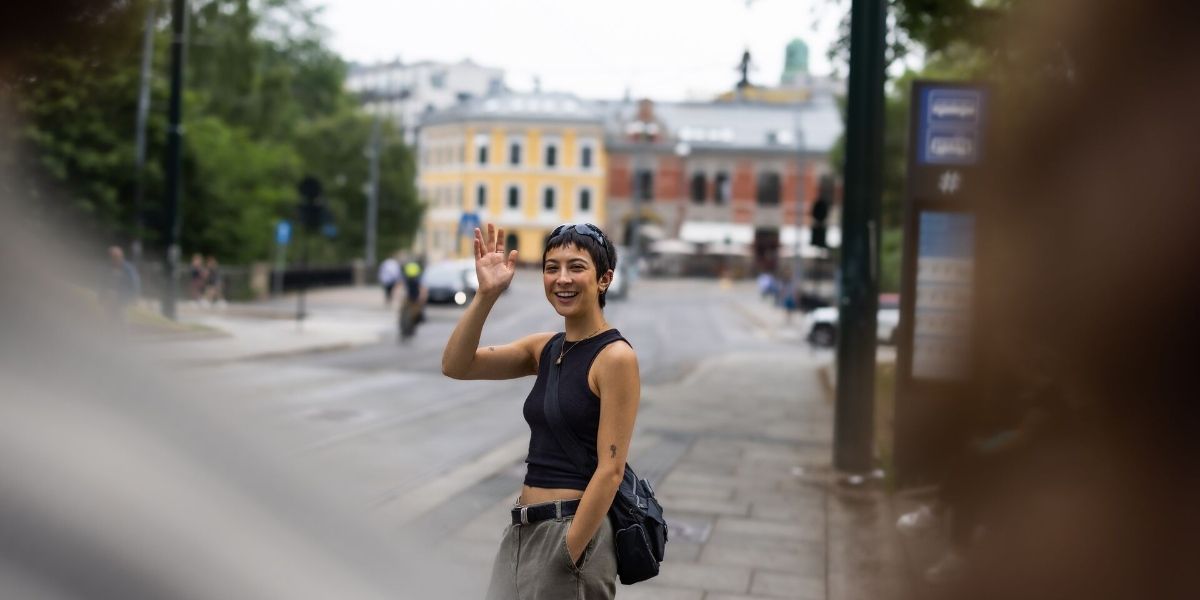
533 564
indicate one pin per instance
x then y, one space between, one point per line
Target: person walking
560 541
214 285
121 288
389 274
197 276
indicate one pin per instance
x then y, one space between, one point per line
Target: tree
335 148
264 105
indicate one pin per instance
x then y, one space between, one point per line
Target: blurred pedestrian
412 309
214 285
122 286
197 275
389 274
561 514
789 297
766 284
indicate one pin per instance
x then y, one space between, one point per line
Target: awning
708 232
673 246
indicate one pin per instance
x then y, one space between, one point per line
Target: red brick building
730 179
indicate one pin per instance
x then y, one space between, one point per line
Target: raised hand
493 266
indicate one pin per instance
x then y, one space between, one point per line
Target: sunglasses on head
582 229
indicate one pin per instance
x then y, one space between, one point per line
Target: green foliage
890 252
953 33
264 105
337 148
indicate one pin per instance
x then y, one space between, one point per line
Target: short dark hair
597 245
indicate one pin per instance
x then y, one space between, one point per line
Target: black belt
533 513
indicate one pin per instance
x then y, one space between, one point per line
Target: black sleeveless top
548 464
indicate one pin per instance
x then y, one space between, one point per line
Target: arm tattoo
612 451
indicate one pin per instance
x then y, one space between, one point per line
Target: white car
451 282
822 323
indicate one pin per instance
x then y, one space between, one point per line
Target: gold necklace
562 353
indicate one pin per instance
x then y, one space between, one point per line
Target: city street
734 431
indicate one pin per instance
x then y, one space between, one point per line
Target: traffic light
311 212
820 211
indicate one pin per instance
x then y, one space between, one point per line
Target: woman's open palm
493 266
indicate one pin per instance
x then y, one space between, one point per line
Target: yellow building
524 162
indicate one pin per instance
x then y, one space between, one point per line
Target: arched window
768 189
699 188
721 188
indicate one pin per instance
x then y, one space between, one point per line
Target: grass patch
149 321
885 412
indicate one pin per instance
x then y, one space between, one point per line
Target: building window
585 200
643 184
438 80
699 188
514 153
458 196
483 154
721 188
585 157
514 197
551 155
768 189
548 199
481 197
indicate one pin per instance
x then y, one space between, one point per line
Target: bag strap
566 438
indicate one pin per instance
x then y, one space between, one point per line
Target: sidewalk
337 318
740 451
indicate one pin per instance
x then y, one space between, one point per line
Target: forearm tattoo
612 451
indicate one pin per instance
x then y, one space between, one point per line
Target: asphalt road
386 420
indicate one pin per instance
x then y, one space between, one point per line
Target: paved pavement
739 447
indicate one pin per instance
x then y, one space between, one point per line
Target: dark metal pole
372 197
853 434
300 303
174 152
143 110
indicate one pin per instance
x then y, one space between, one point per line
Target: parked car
822 323
451 282
619 288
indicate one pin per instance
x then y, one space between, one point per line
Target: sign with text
935 353
948 137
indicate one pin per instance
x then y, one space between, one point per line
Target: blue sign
468 222
283 233
950 125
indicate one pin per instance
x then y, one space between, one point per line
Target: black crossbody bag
639 530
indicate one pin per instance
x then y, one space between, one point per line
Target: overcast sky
665 49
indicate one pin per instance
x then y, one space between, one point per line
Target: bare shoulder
618 358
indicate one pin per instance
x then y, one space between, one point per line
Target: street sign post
935 349
283 235
312 213
467 223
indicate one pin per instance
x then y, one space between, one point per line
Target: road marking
424 498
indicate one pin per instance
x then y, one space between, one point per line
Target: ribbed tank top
549 466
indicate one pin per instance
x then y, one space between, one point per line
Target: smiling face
571 282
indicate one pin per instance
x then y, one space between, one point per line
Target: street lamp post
853 434
174 153
372 197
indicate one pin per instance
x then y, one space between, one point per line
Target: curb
320 349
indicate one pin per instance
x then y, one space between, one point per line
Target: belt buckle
524 515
